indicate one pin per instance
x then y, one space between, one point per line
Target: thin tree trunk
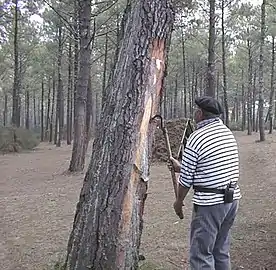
48 110
254 102
34 104
6 110
42 113
15 99
175 99
27 120
272 87
60 107
88 112
210 91
249 90
243 104
76 59
69 95
218 85
79 143
261 75
107 227
184 75
226 109
52 112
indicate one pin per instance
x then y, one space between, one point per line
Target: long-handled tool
169 150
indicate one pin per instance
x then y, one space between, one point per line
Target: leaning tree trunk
261 75
211 80
79 143
106 231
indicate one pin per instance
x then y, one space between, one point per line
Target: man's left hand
178 208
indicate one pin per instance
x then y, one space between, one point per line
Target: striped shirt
210 160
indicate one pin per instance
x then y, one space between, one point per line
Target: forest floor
38 201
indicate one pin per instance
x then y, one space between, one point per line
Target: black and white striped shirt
210 160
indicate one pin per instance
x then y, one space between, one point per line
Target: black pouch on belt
229 193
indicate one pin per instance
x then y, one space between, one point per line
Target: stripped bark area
108 222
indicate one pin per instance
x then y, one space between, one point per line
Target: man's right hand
175 165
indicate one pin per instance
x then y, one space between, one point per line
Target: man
210 164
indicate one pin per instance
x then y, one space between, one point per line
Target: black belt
209 190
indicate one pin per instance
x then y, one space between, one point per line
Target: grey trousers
209 239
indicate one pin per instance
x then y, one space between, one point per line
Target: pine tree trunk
34 107
249 89
69 94
243 104
79 143
15 99
48 110
184 75
60 107
261 75
76 61
218 85
272 87
52 112
254 102
27 110
88 112
175 98
107 227
42 113
210 90
226 109
6 110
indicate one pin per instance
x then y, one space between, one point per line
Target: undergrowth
17 139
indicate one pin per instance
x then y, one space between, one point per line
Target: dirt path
38 202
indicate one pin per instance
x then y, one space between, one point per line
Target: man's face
198 115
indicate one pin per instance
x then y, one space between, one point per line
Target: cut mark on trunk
140 169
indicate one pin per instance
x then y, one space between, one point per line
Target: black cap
209 104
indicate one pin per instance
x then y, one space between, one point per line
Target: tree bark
79 143
104 94
107 227
210 90
272 87
261 75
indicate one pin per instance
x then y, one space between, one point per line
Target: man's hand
178 208
176 166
